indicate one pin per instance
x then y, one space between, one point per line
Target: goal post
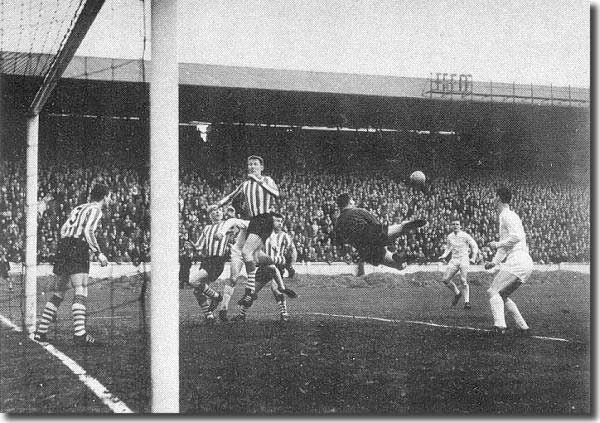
164 208
31 223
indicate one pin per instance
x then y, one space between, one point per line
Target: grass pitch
316 365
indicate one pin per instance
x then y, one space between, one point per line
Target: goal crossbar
65 54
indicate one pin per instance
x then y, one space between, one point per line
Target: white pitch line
110 400
437 325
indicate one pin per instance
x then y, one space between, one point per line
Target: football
417 177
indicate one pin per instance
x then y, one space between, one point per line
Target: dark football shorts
72 257
214 266
371 248
261 225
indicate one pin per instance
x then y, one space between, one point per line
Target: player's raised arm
227 199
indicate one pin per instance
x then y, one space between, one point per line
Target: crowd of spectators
556 215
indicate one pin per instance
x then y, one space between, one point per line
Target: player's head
255 165
503 195
455 225
230 212
344 200
277 222
100 192
216 215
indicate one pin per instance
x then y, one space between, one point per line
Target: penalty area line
111 401
437 325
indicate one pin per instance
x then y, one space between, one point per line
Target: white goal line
110 400
437 325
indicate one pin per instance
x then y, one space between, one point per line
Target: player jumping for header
259 191
361 229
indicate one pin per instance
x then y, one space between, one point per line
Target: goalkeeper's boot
285 317
456 298
223 315
214 303
210 319
467 305
85 339
40 337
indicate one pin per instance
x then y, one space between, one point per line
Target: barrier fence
117 270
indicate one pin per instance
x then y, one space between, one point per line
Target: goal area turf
380 344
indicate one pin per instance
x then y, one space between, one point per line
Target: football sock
200 297
251 281
512 308
452 287
278 278
282 305
497 306
49 313
204 307
466 291
209 292
78 311
227 293
243 310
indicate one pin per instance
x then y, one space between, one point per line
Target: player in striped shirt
72 264
213 248
359 228
281 250
259 191
458 244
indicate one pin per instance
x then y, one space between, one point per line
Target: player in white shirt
515 264
458 244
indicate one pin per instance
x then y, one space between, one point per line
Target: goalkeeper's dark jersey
354 226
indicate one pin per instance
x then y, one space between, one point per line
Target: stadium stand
556 215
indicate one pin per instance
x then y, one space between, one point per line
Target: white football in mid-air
417 177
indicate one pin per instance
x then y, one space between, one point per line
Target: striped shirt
277 246
82 222
257 196
209 245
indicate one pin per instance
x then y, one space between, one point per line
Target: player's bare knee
56 299
491 292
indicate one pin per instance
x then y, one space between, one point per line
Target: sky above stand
539 42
